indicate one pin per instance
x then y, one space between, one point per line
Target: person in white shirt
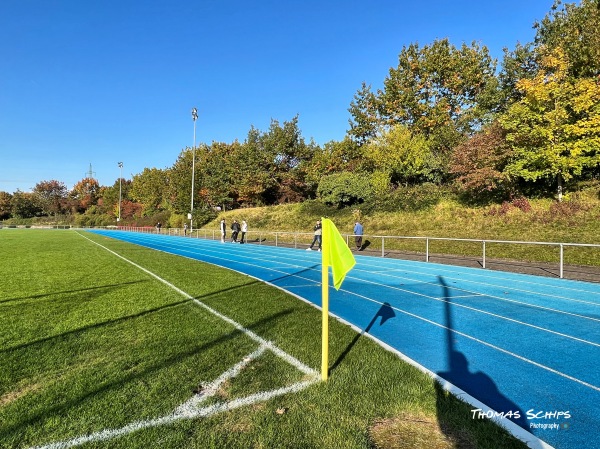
244 230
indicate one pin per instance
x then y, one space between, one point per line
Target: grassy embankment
576 220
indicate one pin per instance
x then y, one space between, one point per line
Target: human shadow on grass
385 312
477 384
81 329
60 410
142 313
100 289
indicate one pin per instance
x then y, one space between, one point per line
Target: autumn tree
554 130
479 162
85 193
108 203
51 196
5 205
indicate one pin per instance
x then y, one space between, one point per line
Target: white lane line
505 282
374 263
350 276
484 312
514 301
490 345
282 354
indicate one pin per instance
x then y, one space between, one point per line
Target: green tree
334 157
345 189
150 189
521 63
441 92
365 119
290 156
575 29
216 175
554 130
180 181
405 157
255 170
24 205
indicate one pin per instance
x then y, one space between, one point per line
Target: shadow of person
385 312
477 384
365 245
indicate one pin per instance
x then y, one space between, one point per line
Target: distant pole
120 177
194 117
90 174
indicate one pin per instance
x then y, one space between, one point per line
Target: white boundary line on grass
192 408
527 437
285 356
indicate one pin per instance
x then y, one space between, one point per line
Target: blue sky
99 82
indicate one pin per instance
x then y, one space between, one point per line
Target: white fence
381 245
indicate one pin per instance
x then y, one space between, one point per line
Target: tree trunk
560 187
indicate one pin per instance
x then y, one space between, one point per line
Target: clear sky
105 81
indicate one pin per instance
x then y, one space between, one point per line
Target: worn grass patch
416 431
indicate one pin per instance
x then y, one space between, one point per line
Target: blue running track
527 347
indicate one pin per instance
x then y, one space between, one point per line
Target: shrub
520 203
345 189
568 208
413 198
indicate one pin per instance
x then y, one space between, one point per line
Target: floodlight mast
194 118
120 177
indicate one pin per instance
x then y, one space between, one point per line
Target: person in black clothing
317 236
235 230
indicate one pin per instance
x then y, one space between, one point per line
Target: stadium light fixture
120 177
194 118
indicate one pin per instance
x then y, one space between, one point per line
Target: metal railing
384 245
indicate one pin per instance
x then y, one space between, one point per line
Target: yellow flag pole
325 307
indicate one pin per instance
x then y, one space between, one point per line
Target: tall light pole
194 117
120 177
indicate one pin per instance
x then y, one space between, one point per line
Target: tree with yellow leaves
554 130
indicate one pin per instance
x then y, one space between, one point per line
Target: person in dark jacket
318 232
235 230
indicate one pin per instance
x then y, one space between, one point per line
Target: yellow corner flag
337 255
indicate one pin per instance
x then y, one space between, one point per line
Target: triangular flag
336 253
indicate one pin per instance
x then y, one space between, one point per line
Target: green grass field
90 342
